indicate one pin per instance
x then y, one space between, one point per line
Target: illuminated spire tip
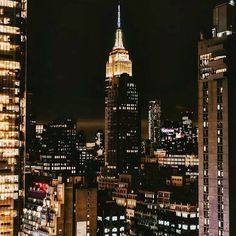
119 18
119 40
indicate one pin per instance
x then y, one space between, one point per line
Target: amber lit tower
217 125
122 127
12 112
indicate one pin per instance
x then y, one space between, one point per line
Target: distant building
86 152
175 160
167 195
39 131
147 148
63 206
31 149
111 217
87 163
59 154
99 143
154 121
166 202
81 137
99 138
217 125
121 192
165 213
122 123
179 137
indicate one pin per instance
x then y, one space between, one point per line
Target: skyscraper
217 125
122 129
154 121
12 112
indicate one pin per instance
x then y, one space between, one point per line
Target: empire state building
122 123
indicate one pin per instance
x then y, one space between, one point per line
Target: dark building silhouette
111 217
32 142
81 137
59 154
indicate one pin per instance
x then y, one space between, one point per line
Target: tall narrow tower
154 121
12 112
217 125
122 125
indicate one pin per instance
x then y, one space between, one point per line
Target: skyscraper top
223 19
119 61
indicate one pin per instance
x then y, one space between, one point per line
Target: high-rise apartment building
12 112
154 121
217 125
122 123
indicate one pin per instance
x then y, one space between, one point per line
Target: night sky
69 42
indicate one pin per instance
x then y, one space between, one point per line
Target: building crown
118 62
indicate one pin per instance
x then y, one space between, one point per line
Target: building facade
122 123
111 219
43 206
167 199
163 214
62 206
217 125
59 154
12 112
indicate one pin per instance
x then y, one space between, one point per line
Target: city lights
119 127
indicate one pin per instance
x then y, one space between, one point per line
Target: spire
231 2
118 16
119 37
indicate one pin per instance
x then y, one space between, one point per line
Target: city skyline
117 118
72 44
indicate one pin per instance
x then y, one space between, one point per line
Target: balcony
217 76
217 63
